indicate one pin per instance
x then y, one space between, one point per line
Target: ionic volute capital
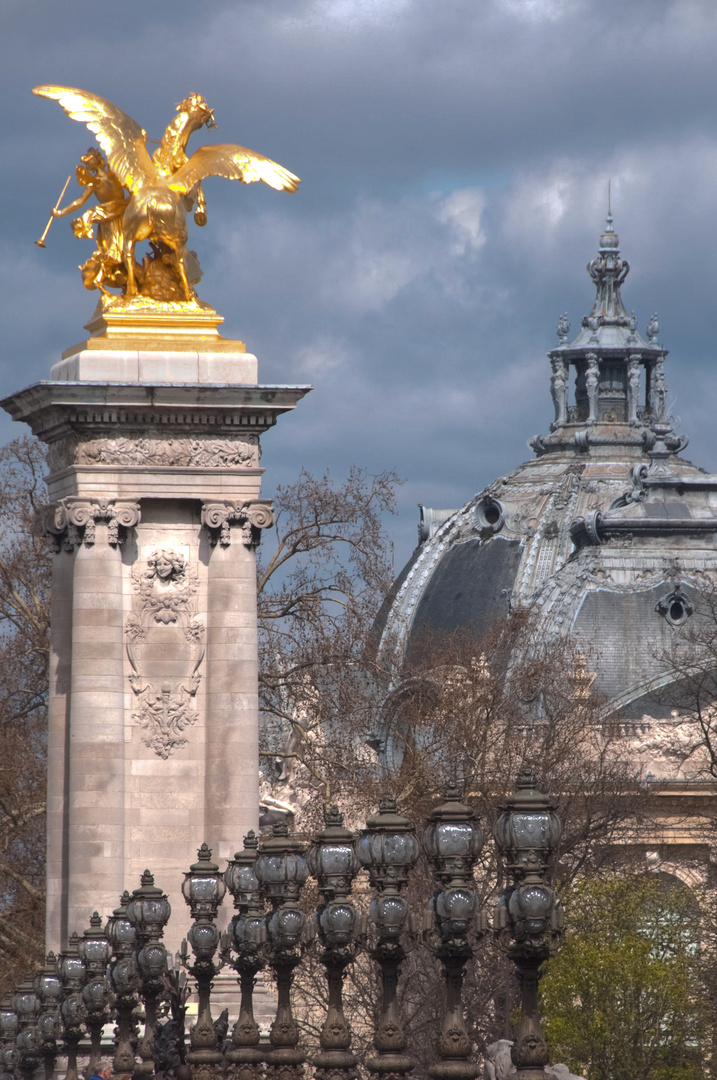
251 517
72 521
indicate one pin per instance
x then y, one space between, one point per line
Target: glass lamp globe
124 975
389 912
528 827
69 965
48 985
240 877
27 1041
203 887
388 846
281 867
204 938
72 1010
148 909
95 993
332 855
452 838
286 927
455 910
24 1000
8 1056
531 907
120 932
93 947
47 1025
337 923
249 932
152 961
8 1020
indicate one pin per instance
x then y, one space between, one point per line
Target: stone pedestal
152 427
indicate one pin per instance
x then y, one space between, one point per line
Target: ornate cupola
618 395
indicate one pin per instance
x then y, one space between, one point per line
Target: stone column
57 749
232 752
97 715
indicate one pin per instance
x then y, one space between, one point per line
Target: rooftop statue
147 198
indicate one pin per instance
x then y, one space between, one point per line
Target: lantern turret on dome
608 384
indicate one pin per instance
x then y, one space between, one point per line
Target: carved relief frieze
165 642
200 452
251 517
72 521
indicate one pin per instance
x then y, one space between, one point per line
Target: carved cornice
251 517
57 409
71 521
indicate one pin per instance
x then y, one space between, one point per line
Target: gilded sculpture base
118 323
153 341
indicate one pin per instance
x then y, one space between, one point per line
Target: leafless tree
24 621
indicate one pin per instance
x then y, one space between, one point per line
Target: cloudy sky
454 158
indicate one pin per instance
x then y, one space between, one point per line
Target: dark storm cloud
454 159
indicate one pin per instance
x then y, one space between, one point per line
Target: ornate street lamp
71 971
203 889
148 911
48 987
8 1033
452 841
388 848
122 937
333 862
95 952
247 935
282 870
27 1043
528 920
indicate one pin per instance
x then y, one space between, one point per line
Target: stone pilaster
234 530
58 776
97 725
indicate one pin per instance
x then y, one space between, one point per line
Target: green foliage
623 998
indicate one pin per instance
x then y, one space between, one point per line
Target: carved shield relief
165 643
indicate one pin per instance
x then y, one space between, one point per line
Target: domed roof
598 533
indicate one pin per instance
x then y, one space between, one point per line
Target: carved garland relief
165 647
196 452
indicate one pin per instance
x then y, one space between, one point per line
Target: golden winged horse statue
161 190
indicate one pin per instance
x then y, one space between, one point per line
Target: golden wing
121 137
234 162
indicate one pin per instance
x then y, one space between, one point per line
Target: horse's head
197 110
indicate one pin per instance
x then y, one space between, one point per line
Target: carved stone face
163 567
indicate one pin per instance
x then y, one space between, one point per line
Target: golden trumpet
41 241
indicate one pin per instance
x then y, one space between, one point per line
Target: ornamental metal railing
111 972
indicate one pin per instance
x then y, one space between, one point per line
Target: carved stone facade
153 726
